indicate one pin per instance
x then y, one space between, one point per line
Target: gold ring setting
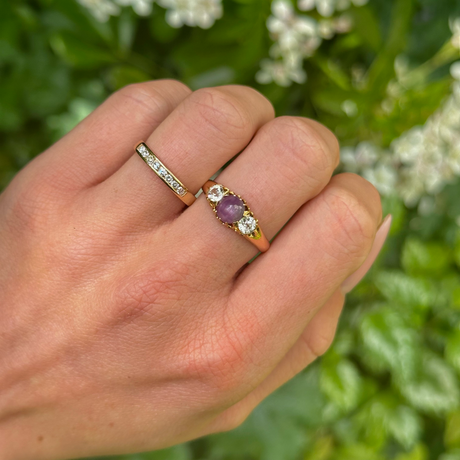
177 187
233 212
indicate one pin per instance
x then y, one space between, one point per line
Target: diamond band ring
178 188
234 213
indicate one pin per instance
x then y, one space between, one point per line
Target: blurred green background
383 75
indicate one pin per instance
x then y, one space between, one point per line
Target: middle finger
203 132
289 161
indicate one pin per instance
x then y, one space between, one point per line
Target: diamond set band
234 212
178 188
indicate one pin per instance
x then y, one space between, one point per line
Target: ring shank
164 173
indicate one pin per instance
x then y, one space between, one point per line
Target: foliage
388 388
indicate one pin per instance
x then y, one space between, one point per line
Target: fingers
327 240
275 297
314 341
289 161
104 140
204 132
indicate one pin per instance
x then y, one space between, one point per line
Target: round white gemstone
175 184
215 193
163 172
156 165
180 191
144 152
247 225
169 178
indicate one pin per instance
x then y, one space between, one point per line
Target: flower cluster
201 13
327 8
421 161
103 9
298 36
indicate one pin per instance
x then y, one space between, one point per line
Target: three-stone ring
233 212
178 188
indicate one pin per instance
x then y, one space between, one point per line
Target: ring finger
207 129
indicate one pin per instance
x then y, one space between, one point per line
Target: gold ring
178 188
234 213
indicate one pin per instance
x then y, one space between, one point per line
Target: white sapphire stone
143 151
247 225
216 193
156 165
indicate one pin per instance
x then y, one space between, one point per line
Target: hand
129 323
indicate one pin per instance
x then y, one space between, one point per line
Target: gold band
177 187
247 225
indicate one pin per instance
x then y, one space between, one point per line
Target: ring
179 189
234 213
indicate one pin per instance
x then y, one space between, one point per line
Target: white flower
280 72
201 13
141 7
384 178
101 9
327 8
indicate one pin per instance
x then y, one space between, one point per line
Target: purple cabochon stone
230 209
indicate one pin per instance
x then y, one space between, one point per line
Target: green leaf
389 341
78 52
452 432
419 452
341 382
405 425
366 25
454 455
401 289
452 350
431 258
356 452
435 391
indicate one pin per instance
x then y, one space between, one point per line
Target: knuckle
221 112
150 98
303 150
353 225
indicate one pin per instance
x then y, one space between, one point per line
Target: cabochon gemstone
230 209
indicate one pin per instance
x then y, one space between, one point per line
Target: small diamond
175 184
215 193
143 151
247 225
150 161
163 172
169 179
181 191
156 165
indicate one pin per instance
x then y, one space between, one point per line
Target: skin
130 322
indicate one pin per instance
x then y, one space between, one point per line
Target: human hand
129 323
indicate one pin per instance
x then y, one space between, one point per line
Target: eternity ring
179 189
234 213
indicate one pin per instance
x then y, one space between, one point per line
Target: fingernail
359 274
